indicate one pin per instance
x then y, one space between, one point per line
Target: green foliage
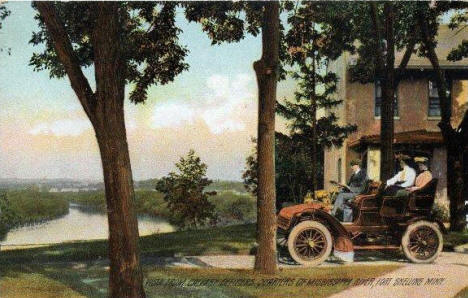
293 169
349 27
185 195
225 21
150 42
441 212
21 207
310 53
232 208
92 200
4 12
458 22
226 185
146 184
32 206
8 217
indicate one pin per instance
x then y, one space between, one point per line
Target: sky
211 108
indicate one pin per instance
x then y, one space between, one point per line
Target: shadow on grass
225 240
87 280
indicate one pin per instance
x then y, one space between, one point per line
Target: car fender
430 219
336 227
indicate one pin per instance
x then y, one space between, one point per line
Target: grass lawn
216 241
69 270
453 239
81 280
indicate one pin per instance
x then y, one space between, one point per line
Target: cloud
222 106
172 114
60 128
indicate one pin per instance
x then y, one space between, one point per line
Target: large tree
372 31
310 52
184 192
455 138
127 43
388 27
267 71
229 22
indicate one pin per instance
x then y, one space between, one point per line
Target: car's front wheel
310 243
422 242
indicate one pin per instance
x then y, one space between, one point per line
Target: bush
8 217
32 206
233 208
441 212
184 192
23 207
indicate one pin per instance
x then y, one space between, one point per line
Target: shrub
441 212
184 193
233 208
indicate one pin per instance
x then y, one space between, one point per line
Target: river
78 225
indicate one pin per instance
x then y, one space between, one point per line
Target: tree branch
440 77
406 57
378 37
67 56
404 61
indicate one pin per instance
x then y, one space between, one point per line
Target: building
417 113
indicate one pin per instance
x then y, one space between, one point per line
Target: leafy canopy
150 45
293 166
310 50
184 193
4 12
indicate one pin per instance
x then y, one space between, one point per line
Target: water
78 225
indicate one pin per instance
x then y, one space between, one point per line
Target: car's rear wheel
310 243
422 242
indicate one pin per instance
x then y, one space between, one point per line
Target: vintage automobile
388 223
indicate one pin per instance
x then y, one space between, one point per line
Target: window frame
378 107
432 98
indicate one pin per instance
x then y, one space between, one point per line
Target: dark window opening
434 101
378 101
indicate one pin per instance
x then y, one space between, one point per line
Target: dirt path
450 270
444 278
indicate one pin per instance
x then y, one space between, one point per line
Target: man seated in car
423 178
355 186
403 179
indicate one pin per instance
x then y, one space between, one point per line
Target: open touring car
381 222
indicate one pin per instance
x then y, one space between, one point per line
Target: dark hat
355 162
402 156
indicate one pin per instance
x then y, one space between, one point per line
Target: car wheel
422 242
310 243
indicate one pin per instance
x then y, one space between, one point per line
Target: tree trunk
266 70
313 108
105 110
388 95
455 140
126 278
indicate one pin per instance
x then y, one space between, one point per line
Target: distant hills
70 185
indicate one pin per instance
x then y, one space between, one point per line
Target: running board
376 247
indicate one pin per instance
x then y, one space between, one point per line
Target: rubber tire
299 228
405 241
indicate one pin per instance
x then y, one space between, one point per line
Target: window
378 100
434 101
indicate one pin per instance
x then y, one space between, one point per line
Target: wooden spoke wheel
422 242
310 243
